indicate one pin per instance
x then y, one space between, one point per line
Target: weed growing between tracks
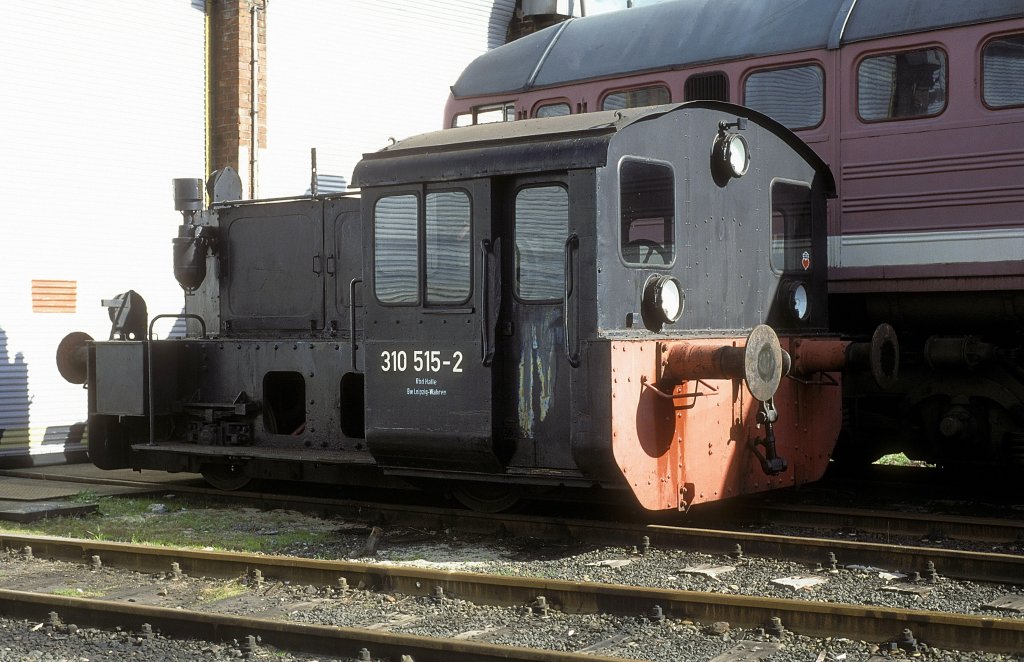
180 522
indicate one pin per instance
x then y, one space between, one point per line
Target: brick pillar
230 86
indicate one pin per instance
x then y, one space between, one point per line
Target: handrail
486 324
570 241
352 320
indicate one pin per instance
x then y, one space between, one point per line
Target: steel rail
941 629
296 637
890 522
959 564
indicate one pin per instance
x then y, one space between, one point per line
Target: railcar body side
605 300
919 110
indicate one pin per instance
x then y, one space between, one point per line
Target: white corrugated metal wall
102 105
345 76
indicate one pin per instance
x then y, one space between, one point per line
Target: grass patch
186 523
78 593
901 460
221 591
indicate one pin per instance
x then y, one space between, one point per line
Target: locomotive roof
689 32
554 143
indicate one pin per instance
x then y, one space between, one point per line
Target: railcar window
794 96
448 247
1002 69
647 209
706 87
553 110
902 85
395 249
505 112
541 226
643 96
791 226
463 119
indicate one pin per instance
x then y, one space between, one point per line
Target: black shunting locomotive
629 300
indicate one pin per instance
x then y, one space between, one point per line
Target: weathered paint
694 446
537 365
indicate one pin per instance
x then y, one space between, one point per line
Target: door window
448 247
541 226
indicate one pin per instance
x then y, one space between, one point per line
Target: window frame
420 194
540 183
771 222
397 193
784 67
896 52
676 215
981 74
635 88
559 101
427 303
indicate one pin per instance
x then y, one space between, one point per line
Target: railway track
996 567
804 617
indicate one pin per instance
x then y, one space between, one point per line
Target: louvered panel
54 296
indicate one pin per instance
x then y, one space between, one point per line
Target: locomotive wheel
486 498
226 477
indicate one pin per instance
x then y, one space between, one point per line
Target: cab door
430 319
535 350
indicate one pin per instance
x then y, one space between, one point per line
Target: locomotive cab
568 301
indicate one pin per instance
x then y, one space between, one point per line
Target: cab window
647 212
791 227
794 96
642 96
1002 71
445 268
541 226
395 249
448 247
902 85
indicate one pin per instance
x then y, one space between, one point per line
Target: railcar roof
537 145
689 32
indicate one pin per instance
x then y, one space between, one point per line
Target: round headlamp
731 156
798 302
663 301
